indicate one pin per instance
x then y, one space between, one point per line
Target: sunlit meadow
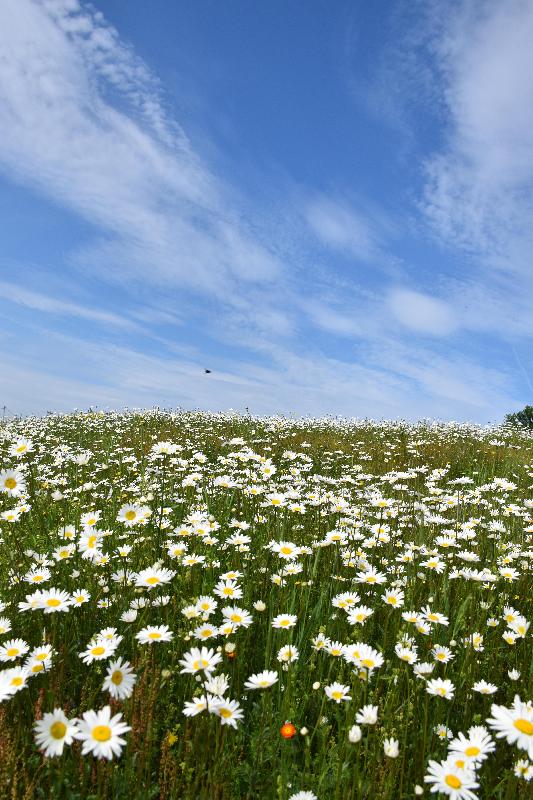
220 606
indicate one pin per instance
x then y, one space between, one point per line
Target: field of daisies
214 607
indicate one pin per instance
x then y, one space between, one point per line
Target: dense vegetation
363 589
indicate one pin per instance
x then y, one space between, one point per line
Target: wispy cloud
52 305
82 121
479 192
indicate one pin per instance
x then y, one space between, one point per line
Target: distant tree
523 419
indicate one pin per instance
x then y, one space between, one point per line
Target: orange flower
288 730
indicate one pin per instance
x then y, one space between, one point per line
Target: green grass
170 755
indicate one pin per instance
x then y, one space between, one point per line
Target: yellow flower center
91 541
472 751
130 515
336 695
236 618
286 550
18 681
10 483
227 590
154 635
37 578
453 781
225 712
13 651
152 580
367 662
524 726
37 668
371 579
21 448
58 730
102 733
98 651
53 602
117 677
80 598
41 656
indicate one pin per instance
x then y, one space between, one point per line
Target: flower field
213 606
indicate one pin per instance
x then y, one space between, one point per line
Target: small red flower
288 730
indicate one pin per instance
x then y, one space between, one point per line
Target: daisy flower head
120 679
473 748
229 711
5 625
197 705
153 576
284 621
447 778
239 617
217 685
154 633
18 678
261 680
101 734
515 724
20 448
391 748
54 731
98 650
228 589
200 659
368 658
368 715
206 631
440 688
206 605
434 616
337 692
303 795
79 597
394 597
12 482
359 615
484 688
288 654
53 600
12 649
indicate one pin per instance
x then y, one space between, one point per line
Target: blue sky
328 204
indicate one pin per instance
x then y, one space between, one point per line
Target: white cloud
53 305
340 227
479 192
82 122
422 313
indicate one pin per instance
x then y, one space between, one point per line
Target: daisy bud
259 605
354 734
316 685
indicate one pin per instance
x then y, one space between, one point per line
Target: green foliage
523 419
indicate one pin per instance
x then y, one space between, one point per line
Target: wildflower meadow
221 606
